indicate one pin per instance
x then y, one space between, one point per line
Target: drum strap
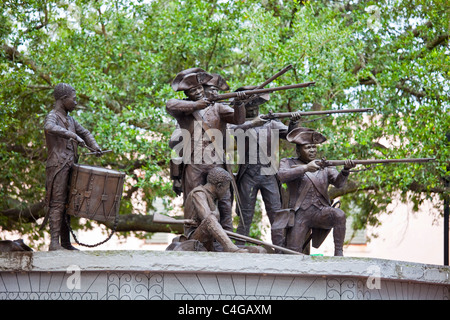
103 198
117 197
87 193
74 191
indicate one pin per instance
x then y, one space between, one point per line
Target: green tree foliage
121 56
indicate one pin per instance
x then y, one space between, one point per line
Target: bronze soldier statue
63 134
251 176
307 185
201 207
198 116
214 85
211 88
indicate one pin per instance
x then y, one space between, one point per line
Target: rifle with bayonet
333 163
278 74
279 115
159 218
248 93
262 85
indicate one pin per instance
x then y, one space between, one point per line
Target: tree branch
438 41
127 221
117 108
138 222
25 214
36 154
42 24
102 24
416 32
350 187
15 56
417 94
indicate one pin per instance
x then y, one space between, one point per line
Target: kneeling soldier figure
307 185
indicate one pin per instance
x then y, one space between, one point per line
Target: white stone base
169 275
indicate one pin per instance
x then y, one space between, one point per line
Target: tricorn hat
193 80
302 135
218 81
181 75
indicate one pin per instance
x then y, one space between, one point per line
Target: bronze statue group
209 186
204 176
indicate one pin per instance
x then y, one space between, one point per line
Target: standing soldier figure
62 135
196 113
251 177
307 185
211 89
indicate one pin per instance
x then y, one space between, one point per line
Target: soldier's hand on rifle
312 166
258 122
295 116
213 95
202 103
349 164
241 96
81 142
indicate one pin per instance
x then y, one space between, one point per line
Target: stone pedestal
165 275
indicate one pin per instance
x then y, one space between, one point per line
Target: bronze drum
95 192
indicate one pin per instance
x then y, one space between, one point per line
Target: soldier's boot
219 234
65 233
278 238
339 235
55 215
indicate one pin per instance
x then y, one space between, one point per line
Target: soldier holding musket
307 185
211 89
256 172
194 111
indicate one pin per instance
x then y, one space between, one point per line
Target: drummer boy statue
62 135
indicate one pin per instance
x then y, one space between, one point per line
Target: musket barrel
312 113
248 93
256 241
158 218
278 74
375 161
